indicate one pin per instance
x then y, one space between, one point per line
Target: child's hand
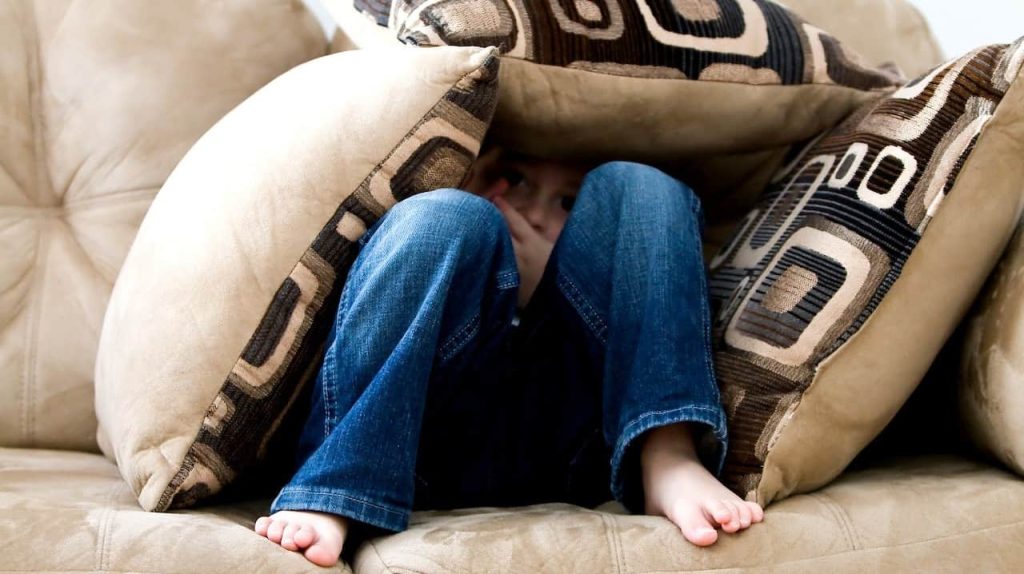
531 248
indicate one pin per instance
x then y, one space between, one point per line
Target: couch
102 99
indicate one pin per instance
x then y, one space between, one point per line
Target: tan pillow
217 318
839 289
98 101
991 386
879 30
650 80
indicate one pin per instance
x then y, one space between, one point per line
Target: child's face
541 190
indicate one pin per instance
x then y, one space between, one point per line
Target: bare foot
318 535
678 487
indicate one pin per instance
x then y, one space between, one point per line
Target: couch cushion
99 101
68 511
242 257
912 515
71 511
842 285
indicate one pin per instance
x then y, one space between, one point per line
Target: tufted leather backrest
98 102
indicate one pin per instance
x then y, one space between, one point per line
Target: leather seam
614 542
28 423
380 558
841 518
35 74
113 199
106 520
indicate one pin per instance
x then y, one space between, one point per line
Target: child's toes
304 536
288 536
719 511
733 523
275 530
695 526
325 552
743 511
261 525
756 512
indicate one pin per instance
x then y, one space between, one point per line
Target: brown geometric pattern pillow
748 41
650 79
180 431
837 291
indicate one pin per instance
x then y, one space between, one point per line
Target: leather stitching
614 543
853 540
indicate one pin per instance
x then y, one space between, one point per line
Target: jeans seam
327 397
335 494
627 435
645 416
329 367
335 502
585 310
458 340
705 310
507 280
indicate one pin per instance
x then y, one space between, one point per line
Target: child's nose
536 215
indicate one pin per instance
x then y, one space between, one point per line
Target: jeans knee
632 186
436 220
450 211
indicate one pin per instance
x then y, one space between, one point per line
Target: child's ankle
668 444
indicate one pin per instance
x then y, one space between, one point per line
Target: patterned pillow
835 294
651 80
217 318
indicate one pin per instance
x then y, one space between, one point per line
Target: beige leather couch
99 100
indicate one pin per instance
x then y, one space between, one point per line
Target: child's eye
567 202
514 177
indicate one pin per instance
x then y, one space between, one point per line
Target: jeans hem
333 501
698 414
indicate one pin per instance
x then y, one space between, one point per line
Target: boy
482 356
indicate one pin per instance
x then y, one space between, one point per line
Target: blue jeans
435 393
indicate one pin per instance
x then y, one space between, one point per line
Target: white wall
325 19
962 25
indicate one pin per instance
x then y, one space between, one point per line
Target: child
482 356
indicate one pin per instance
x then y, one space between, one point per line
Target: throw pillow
648 80
216 321
836 293
991 385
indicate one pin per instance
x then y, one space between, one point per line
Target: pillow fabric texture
98 102
837 291
880 30
991 385
217 320
647 80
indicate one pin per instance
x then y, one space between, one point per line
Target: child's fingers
517 224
